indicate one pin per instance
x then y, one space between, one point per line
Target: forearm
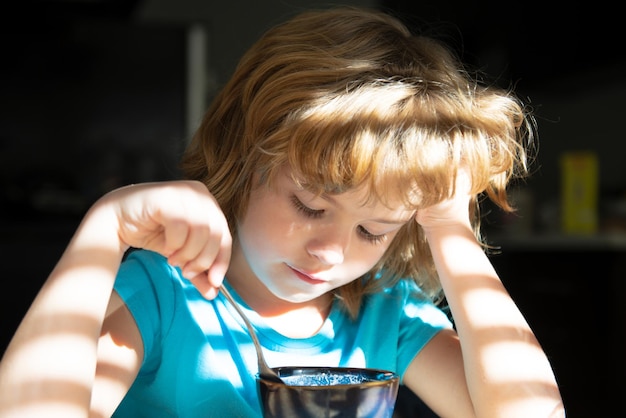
49 366
507 372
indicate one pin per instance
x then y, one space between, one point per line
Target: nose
329 250
330 255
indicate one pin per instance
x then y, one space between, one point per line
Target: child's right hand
180 220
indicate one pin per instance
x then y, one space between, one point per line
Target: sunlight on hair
380 98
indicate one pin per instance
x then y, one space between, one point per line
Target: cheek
365 255
363 258
266 228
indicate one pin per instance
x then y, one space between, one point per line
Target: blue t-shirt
199 360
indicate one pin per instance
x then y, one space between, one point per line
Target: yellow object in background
579 192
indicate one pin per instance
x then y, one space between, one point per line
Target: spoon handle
264 370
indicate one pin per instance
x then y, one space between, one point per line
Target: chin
295 296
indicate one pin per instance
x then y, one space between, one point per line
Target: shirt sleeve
420 321
145 282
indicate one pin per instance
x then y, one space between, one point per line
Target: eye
305 210
316 213
368 236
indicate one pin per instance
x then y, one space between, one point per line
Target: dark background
95 94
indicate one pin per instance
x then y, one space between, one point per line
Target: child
333 186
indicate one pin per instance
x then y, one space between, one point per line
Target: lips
309 278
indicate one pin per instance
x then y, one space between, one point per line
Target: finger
203 285
215 248
176 234
218 269
208 282
197 253
463 183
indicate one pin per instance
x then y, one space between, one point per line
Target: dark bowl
330 392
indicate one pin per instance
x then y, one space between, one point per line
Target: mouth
308 278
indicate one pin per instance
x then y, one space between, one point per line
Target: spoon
265 371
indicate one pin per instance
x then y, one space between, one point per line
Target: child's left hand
453 211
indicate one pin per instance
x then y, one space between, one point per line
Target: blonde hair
349 97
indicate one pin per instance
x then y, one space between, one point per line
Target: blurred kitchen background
95 94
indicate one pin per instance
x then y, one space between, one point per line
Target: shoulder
411 303
153 266
148 283
405 290
146 258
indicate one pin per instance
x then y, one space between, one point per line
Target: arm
505 371
50 364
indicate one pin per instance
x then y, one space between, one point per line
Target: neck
294 320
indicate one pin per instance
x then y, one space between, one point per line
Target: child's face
301 246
